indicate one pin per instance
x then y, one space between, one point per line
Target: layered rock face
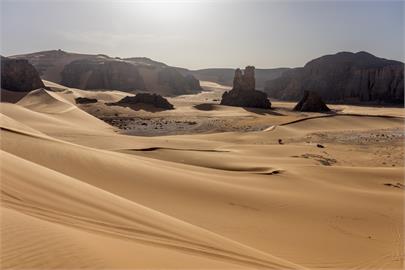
243 93
311 102
102 74
154 100
19 75
344 77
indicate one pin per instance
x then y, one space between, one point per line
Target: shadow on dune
149 149
185 156
205 106
214 106
262 111
334 114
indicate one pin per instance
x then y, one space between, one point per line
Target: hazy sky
204 33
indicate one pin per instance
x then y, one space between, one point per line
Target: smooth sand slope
78 194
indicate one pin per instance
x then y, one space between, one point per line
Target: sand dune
49 113
77 194
44 101
62 200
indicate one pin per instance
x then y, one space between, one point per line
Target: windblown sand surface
79 193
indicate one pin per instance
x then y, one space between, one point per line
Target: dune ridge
115 216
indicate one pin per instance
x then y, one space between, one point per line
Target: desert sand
218 193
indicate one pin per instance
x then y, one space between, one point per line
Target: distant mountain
87 71
343 77
225 75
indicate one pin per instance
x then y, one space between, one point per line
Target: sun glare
167 10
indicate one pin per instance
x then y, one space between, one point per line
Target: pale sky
205 33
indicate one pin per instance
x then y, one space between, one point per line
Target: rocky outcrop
154 100
19 75
244 81
84 100
225 76
311 102
249 99
243 93
102 74
345 78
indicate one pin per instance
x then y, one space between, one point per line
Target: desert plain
203 186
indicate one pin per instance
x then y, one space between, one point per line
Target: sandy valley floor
211 189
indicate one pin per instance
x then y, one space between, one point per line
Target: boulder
154 100
84 100
311 102
19 75
243 93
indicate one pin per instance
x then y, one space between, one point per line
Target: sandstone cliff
343 77
172 79
102 74
88 71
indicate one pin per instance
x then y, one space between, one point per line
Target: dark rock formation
146 99
243 98
344 77
244 81
249 78
19 75
84 100
311 102
243 93
102 74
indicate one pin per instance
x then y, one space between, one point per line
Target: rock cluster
243 93
345 78
19 75
311 102
84 100
145 98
